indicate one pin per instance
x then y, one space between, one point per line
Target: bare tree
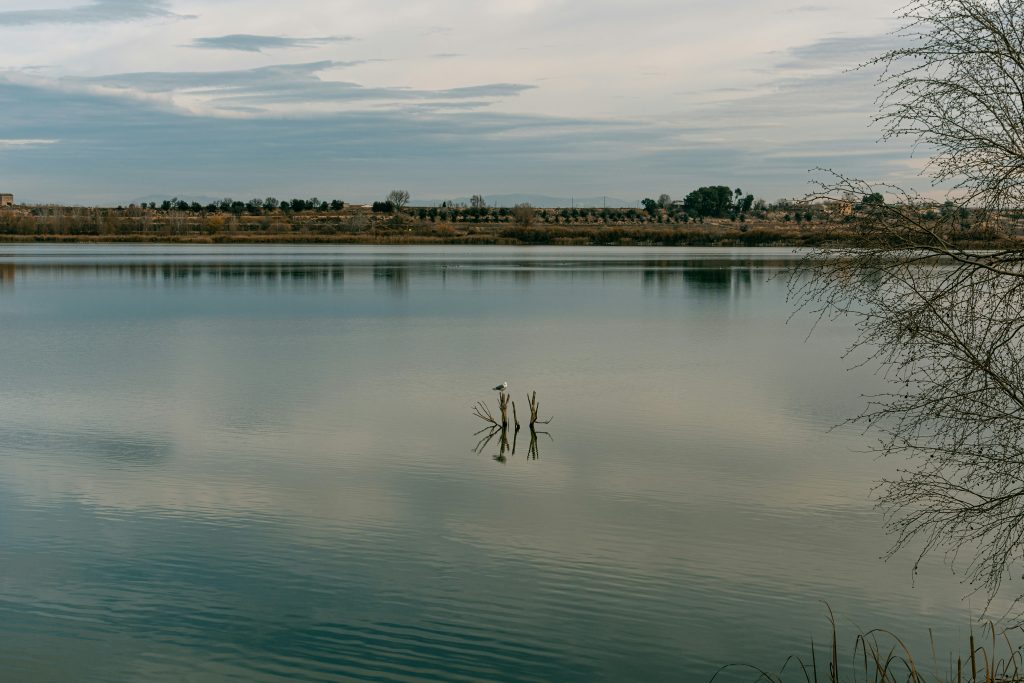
398 199
524 215
941 318
958 88
478 202
943 323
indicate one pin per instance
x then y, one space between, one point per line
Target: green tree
714 201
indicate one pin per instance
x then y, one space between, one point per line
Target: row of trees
567 216
716 201
253 207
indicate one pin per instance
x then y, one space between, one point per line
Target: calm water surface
257 464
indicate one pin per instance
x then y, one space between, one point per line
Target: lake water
258 464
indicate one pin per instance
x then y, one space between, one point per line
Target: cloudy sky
104 101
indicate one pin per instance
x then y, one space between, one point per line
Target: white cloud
25 143
722 83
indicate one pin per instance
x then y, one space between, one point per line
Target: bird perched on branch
501 387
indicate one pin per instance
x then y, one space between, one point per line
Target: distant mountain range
159 198
538 200
499 200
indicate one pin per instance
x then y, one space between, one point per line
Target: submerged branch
500 428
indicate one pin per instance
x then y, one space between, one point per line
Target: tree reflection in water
942 323
488 435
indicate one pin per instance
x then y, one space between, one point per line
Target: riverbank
590 236
813 227
606 237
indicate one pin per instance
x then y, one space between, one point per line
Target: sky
106 101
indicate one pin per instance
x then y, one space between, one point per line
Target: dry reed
882 657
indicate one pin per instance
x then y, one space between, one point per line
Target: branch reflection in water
499 429
941 322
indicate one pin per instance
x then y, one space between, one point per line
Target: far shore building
6 199
838 208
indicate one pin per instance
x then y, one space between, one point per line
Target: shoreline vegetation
712 217
881 656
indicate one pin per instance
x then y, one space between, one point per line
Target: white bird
501 387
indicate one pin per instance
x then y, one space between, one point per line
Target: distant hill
499 200
158 198
538 200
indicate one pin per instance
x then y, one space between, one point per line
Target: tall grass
881 656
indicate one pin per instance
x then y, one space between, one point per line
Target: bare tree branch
940 317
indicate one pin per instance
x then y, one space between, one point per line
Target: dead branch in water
535 411
503 401
484 413
500 428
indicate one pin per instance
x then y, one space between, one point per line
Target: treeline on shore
453 225
708 216
173 215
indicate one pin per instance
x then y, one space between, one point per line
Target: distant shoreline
600 237
540 237
789 226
